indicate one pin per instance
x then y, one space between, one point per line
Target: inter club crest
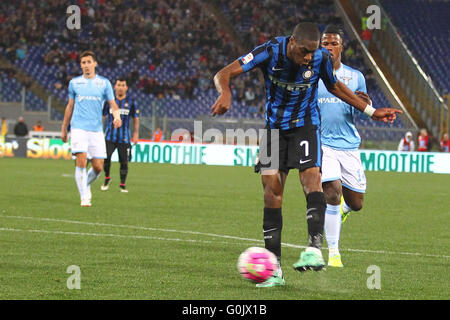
307 74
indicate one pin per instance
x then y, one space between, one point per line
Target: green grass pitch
178 233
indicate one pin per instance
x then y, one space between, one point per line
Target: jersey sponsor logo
247 58
89 98
290 86
122 111
276 69
329 100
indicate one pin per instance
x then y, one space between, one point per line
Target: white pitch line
289 245
113 235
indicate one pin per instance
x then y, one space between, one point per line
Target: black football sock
106 168
315 216
273 223
123 173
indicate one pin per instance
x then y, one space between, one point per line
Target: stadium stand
11 91
425 35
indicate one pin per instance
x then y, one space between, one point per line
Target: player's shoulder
99 77
77 79
352 70
323 51
276 40
322 54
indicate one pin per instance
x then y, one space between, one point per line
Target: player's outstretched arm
67 117
116 113
341 91
222 83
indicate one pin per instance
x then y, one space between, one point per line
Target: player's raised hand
222 104
386 114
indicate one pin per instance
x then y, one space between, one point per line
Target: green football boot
309 260
273 281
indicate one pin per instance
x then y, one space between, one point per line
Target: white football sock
92 176
80 179
332 228
278 272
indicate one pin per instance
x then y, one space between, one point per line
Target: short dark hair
121 79
306 31
88 53
334 29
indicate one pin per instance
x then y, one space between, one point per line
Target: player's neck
121 97
337 64
89 76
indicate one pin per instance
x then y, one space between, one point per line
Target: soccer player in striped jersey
292 67
120 138
87 94
343 178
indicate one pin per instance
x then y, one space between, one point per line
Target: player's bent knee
332 197
272 199
357 205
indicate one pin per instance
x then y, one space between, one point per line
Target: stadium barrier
225 155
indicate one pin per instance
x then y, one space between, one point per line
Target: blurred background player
87 94
342 171
423 141
292 66
406 143
445 143
120 138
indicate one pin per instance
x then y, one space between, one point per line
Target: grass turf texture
166 238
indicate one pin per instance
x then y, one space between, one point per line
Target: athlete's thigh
81 159
110 147
79 141
97 164
331 167
332 191
124 150
97 146
311 180
273 152
273 185
352 171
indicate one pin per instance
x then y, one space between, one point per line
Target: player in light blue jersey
87 94
343 178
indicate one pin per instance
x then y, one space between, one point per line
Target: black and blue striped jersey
291 89
128 109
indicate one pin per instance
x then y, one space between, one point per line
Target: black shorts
124 150
298 148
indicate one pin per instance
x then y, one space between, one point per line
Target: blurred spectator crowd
150 32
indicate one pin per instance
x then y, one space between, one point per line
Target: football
257 264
